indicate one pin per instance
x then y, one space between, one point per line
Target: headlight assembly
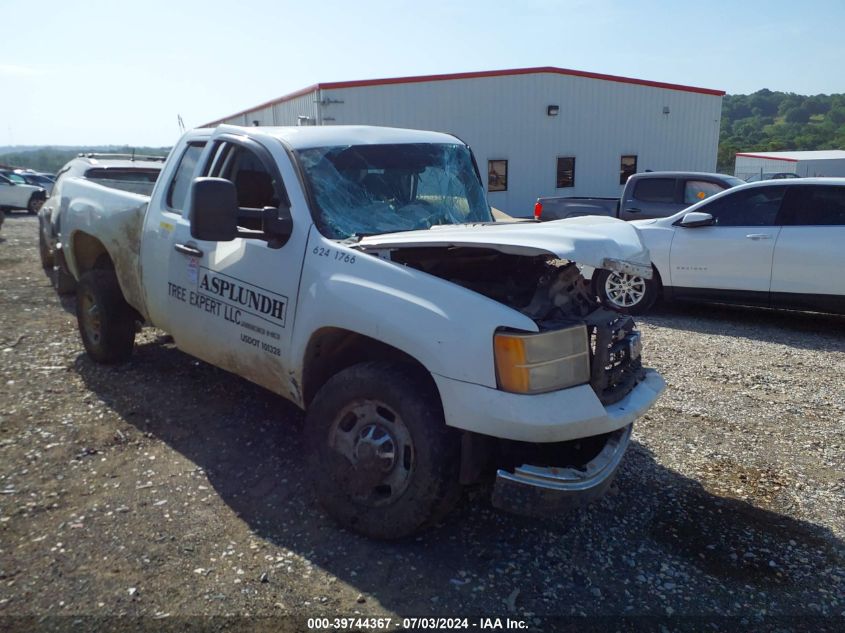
547 361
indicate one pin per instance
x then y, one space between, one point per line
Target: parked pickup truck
651 194
357 272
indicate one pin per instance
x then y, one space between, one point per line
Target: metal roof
473 75
794 157
339 135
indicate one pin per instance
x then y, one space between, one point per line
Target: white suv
19 195
776 243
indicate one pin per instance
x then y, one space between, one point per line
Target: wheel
383 462
625 293
44 251
34 204
106 321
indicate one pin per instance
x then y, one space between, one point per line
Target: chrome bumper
536 490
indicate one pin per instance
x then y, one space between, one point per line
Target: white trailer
765 165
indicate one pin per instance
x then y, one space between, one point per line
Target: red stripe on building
473 75
788 160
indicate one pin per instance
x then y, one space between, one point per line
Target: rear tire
382 460
625 293
106 321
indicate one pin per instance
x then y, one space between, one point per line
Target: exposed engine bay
553 293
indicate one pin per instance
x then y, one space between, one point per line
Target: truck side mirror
213 213
278 225
697 218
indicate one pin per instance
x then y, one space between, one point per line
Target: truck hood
595 241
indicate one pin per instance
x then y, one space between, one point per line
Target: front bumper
557 416
538 491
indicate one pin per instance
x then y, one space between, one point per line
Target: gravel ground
167 488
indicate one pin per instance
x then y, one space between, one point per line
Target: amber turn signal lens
511 371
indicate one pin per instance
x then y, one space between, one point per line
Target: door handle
188 250
633 210
759 236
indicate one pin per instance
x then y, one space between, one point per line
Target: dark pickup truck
651 194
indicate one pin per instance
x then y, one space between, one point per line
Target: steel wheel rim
624 290
91 321
376 450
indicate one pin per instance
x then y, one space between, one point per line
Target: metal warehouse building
829 162
534 131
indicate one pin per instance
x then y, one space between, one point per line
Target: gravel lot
166 487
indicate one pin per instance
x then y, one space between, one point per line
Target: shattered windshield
371 189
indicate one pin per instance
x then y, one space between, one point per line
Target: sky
94 72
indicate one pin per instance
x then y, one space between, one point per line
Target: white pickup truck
358 272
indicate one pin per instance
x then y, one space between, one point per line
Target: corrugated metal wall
822 167
504 117
748 166
284 113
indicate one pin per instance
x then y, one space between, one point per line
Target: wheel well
89 254
658 279
332 350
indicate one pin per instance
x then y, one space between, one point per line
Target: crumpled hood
596 241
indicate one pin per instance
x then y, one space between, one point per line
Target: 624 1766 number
321 251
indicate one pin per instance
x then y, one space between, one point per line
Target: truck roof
306 137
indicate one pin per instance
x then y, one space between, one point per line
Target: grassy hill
767 121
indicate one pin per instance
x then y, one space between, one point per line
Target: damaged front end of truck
535 269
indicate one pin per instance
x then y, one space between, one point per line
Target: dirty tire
645 294
430 488
44 251
106 321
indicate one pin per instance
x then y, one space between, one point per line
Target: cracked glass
361 190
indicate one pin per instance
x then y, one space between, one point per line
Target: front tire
106 321
629 294
383 462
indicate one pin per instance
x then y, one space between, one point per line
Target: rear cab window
698 190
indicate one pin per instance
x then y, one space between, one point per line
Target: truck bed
561 207
113 218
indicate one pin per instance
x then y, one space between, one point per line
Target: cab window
255 186
752 207
698 190
178 189
655 190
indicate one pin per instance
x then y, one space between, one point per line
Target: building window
627 168
497 175
565 172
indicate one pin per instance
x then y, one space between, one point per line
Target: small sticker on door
193 269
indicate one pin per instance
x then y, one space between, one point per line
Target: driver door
735 253
239 297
